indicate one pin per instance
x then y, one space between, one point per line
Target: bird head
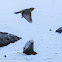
31 9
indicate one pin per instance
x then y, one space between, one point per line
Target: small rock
29 48
50 30
5 56
59 30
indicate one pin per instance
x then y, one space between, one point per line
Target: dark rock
6 38
50 30
29 48
5 56
59 30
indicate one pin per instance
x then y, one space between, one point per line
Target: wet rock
59 30
6 38
29 48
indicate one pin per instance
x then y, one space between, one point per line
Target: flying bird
26 13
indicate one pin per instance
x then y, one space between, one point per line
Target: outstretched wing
27 17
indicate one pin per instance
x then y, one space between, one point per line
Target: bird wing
27 17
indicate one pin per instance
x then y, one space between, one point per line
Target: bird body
26 13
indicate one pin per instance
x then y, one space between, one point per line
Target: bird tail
17 12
